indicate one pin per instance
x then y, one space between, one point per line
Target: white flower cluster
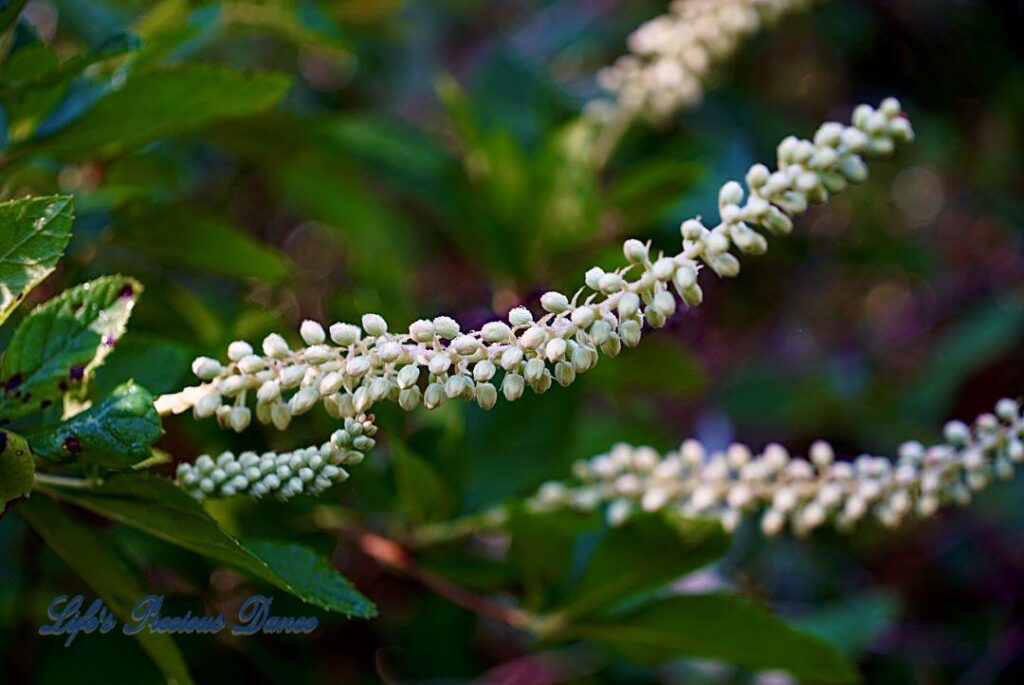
803 494
672 56
349 368
305 471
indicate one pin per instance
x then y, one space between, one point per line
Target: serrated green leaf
157 104
176 234
156 506
89 554
722 627
311 577
57 346
33 235
644 554
119 432
17 468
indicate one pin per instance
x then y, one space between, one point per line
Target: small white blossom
803 494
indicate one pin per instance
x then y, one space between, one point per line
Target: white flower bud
409 398
465 345
511 358
408 376
520 316
593 278
422 331
483 371
357 366
439 364
374 325
582 317
239 349
495 332
312 332
206 405
554 302
512 386
240 418
446 327
486 396
302 401
634 251
533 337
268 392
434 396
555 349
205 368
630 332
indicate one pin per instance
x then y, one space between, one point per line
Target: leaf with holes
119 432
17 469
57 346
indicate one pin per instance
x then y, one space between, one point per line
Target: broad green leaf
852 623
644 554
156 506
160 103
57 346
17 469
33 235
311 577
176 234
119 432
29 71
89 554
25 108
420 487
544 548
722 627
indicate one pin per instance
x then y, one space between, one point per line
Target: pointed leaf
157 104
156 506
175 234
721 627
33 235
88 553
642 555
57 346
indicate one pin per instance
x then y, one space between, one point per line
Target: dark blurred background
421 163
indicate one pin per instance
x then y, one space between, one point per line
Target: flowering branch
804 494
671 60
434 361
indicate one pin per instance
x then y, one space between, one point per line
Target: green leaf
9 13
157 104
156 364
156 506
119 432
722 627
644 554
852 623
544 546
57 346
176 234
27 72
311 577
420 488
33 235
17 469
89 555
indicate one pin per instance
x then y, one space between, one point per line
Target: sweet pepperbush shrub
584 563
